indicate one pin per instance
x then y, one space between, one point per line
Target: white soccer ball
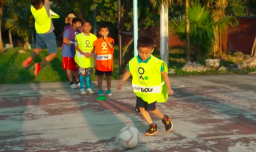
129 137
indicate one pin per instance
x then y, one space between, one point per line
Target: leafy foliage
202 27
20 20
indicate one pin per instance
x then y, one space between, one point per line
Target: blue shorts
46 39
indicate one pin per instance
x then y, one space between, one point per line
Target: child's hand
88 55
119 87
105 37
170 91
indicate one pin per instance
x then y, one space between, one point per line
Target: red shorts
69 63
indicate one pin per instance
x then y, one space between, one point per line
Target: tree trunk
219 12
26 44
164 33
187 33
1 40
10 38
225 39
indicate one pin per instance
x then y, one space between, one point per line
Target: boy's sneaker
168 123
109 93
78 84
27 61
82 92
90 91
73 86
37 69
152 130
100 93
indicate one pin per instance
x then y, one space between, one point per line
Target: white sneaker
90 91
82 92
78 85
73 86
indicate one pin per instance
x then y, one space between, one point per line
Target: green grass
13 72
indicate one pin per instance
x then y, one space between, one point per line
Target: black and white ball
129 137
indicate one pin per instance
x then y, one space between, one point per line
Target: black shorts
107 73
140 103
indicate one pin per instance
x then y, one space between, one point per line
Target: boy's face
87 27
145 52
104 32
77 25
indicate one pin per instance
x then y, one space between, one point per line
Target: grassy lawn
13 72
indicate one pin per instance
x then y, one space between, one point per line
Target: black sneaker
152 130
167 123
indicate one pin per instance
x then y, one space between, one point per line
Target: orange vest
104 55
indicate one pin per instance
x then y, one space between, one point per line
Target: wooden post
119 38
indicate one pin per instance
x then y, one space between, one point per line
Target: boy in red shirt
104 50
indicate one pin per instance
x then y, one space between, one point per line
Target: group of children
82 51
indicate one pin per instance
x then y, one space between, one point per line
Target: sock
33 54
43 63
81 79
163 117
152 124
71 83
88 82
77 82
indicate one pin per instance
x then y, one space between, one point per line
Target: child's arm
167 82
88 55
65 38
111 46
125 77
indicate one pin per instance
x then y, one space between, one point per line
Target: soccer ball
129 137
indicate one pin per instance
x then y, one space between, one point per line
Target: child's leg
146 115
141 105
81 72
76 75
158 113
166 120
88 82
108 82
100 77
81 79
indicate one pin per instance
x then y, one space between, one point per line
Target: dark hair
36 3
86 21
75 20
102 26
145 41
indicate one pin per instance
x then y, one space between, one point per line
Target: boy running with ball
150 83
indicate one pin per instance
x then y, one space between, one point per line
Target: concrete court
210 114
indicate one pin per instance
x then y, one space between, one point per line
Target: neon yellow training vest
85 43
147 81
42 20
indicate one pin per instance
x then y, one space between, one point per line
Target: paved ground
210 113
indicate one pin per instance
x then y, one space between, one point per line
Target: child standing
104 50
84 58
148 74
68 52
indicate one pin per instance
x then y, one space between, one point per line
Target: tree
187 32
20 21
2 2
202 26
221 9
